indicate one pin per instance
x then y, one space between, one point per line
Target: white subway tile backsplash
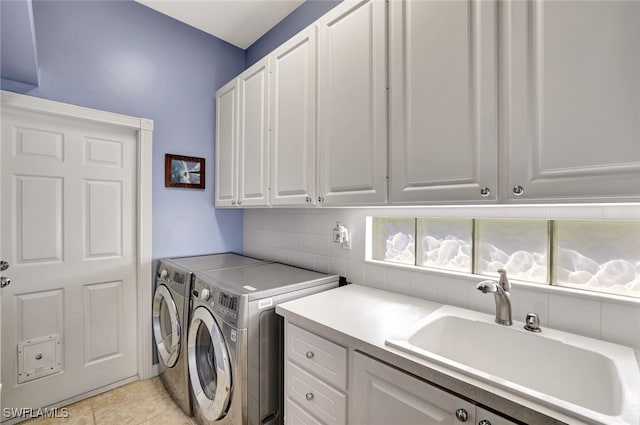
424 286
355 271
581 316
621 212
308 243
321 264
621 324
323 244
399 281
375 276
308 261
524 300
338 266
303 237
452 291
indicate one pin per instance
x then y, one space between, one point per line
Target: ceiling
239 22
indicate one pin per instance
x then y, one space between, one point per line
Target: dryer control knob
162 274
205 294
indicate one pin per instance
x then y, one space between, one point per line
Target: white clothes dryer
171 316
235 341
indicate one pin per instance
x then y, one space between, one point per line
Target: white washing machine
235 341
171 316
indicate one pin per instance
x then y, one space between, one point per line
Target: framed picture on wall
183 171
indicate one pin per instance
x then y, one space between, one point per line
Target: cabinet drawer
316 397
318 355
295 415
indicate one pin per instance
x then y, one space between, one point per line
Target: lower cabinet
320 390
315 379
382 395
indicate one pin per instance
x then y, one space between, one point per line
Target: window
598 256
602 256
519 246
394 239
444 243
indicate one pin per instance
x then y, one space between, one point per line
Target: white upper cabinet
253 136
242 140
443 98
293 121
571 100
226 145
352 104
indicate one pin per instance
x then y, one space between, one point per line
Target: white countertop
362 318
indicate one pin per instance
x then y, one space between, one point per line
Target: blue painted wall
123 57
307 13
18 56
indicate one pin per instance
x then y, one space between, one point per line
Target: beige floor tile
141 402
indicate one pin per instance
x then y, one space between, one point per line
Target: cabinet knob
310 354
239 202
518 190
4 281
484 422
320 199
308 396
462 415
233 202
485 191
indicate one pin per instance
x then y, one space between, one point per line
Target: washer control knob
162 274
205 294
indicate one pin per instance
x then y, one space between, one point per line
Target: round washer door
166 326
209 367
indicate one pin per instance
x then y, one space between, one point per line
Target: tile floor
138 403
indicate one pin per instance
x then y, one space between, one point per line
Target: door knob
4 281
3 265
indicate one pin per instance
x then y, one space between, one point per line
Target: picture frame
184 171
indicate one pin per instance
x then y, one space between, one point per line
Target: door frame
144 128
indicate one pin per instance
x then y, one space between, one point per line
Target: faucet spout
502 297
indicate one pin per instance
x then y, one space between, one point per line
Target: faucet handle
532 322
504 281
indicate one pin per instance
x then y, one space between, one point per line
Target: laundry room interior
365 212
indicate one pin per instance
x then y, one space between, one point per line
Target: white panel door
381 395
253 140
352 104
443 144
68 230
226 145
571 100
293 121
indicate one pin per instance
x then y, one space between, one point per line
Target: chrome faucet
500 290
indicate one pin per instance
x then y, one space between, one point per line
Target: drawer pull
309 354
462 415
309 396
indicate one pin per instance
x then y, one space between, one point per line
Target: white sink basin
597 382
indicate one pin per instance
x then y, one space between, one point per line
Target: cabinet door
352 101
571 96
253 140
293 121
226 144
381 395
443 101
